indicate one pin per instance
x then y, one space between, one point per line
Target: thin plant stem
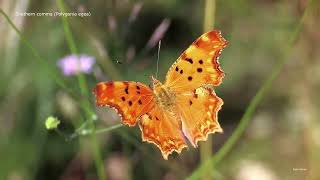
209 15
72 46
208 24
85 132
84 91
226 148
108 129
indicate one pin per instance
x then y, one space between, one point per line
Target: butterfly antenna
159 47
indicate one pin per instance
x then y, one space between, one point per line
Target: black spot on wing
189 60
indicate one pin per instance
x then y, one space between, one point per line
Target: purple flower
135 12
73 64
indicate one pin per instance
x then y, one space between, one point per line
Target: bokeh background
282 138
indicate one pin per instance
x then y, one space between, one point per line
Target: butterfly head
155 83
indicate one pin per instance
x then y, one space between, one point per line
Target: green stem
208 24
72 46
209 15
253 104
84 132
84 91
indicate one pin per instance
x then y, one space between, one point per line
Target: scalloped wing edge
218 127
164 153
215 59
114 107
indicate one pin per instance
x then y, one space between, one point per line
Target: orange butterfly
184 106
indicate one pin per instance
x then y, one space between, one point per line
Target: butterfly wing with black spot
130 99
197 104
198 65
199 112
135 101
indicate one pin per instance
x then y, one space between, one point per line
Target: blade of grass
198 173
84 91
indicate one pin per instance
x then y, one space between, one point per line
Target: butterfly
183 108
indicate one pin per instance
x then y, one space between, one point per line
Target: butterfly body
183 108
163 95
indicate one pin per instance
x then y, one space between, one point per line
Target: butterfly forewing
188 79
130 99
198 65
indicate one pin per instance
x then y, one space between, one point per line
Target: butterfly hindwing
199 111
198 65
163 128
130 99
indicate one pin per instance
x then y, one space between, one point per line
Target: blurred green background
282 139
